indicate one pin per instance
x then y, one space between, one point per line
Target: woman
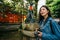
49 29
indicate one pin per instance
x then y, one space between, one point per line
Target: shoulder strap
51 26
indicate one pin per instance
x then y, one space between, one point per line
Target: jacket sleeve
56 32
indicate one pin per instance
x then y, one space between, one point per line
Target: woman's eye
43 9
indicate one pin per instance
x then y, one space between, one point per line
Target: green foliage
17 6
36 1
54 6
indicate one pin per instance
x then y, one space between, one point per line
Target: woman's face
43 11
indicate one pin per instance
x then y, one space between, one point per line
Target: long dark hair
41 17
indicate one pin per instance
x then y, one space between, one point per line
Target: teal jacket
50 29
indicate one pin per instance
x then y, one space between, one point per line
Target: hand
40 34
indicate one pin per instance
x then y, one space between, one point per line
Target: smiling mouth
42 13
